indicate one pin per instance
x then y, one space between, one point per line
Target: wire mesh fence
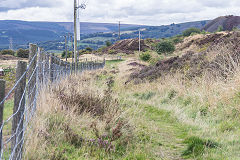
42 69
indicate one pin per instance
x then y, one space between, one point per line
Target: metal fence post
2 95
18 110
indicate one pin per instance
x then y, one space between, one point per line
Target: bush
146 56
108 43
89 49
220 29
165 47
190 31
7 52
23 53
112 51
177 39
64 54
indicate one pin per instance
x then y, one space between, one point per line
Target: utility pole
119 30
75 33
139 42
76 7
72 48
66 47
10 43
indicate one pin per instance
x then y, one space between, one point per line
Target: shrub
112 52
146 56
102 49
7 52
220 29
89 49
165 47
23 53
108 43
190 31
64 54
177 39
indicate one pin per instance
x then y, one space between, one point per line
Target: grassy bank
98 116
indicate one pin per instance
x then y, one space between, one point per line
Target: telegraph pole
139 42
11 43
76 7
66 47
119 30
75 33
72 48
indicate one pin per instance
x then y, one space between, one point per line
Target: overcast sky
149 12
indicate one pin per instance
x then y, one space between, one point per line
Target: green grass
197 146
8 108
112 63
7 112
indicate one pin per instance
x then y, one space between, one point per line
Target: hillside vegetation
181 105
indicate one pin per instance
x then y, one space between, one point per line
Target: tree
190 31
165 47
23 53
7 52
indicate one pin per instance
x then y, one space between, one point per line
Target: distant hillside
89 28
227 22
23 32
49 35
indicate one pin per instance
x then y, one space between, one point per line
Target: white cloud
150 12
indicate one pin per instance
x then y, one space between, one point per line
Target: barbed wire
43 69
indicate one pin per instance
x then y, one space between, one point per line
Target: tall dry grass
78 113
210 102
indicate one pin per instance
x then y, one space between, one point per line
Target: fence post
32 74
18 110
46 68
2 95
40 62
51 68
57 67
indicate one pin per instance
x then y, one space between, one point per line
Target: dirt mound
227 22
8 57
200 43
224 51
128 46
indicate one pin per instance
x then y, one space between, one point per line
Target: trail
165 132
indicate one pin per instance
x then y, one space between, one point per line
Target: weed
172 94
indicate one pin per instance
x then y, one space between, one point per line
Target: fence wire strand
48 70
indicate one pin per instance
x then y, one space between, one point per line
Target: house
1 72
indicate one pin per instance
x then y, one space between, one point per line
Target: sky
148 12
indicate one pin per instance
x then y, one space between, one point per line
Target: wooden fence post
51 68
18 110
46 68
32 74
2 95
41 65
